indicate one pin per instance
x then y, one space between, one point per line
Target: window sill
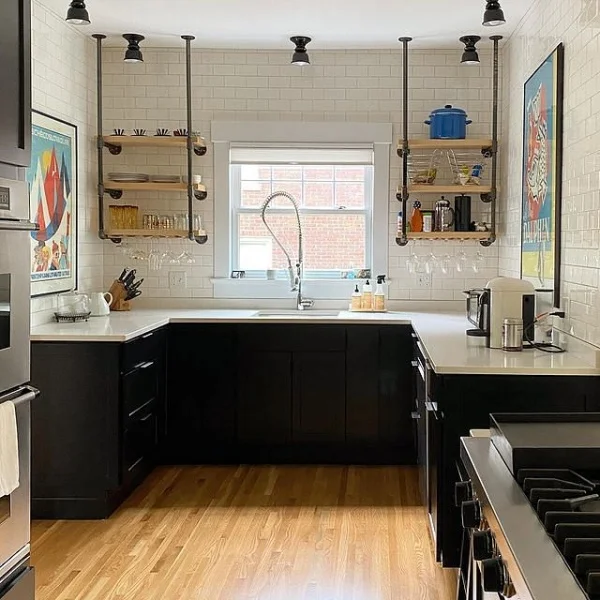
317 289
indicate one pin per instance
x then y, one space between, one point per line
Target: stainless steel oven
15 271
15 508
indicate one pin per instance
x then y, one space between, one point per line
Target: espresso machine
502 298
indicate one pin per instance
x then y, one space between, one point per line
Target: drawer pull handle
415 415
137 410
414 363
431 406
135 464
146 418
148 335
147 365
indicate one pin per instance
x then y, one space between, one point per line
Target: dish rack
467 167
71 317
423 168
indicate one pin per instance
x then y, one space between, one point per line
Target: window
339 172
334 190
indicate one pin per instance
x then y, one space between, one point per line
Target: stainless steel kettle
444 215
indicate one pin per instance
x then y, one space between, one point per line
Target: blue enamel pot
448 123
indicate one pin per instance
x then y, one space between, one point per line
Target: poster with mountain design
52 179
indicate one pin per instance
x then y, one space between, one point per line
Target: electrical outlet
177 279
424 280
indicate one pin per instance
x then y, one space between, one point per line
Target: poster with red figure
542 175
52 179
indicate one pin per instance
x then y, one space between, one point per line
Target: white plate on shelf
165 178
129 177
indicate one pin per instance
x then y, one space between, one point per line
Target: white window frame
224 134
331 275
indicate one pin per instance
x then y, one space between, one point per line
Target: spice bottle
416 220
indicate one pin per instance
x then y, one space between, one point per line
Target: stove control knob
483 545
493 574
462 492
471 514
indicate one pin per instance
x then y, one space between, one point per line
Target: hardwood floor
250 533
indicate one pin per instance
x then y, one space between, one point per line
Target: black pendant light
470 56
493 15
77 13
133 54
300 57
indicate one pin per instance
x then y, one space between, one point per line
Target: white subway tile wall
64 87
354 86
577 25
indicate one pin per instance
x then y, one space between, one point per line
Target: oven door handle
22 395
6 225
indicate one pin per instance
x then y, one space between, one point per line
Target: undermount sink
307 314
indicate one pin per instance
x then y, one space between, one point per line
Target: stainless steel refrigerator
16 574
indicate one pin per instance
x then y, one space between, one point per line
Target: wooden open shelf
152 233
167 141
449 235
466 190
467 144
151 186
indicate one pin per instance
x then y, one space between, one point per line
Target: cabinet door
15 74
200 391
319 397
362 384
264 414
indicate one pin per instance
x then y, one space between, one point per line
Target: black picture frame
537 231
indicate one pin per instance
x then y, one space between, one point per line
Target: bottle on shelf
367 296
356 302
416 220
379 295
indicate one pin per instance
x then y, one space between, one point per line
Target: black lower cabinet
319 397
201 390
98 426
264 398
289 393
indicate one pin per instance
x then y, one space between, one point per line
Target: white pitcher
100 304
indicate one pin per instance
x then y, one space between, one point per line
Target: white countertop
442 334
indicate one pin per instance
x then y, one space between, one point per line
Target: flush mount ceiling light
77 13
470 56
493 15
133 54
300 57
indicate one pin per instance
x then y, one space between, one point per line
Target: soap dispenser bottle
356 299
379 296
367 296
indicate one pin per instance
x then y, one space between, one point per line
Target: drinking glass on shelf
461 261
478 262
169 258
430 263
154 258
445 264
412 263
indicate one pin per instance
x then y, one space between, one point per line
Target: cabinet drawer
140 387
144 349
139 441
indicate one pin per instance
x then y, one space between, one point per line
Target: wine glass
478 262
461 261
412 263
431 263
445 264
154 258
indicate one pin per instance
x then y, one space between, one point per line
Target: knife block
119 293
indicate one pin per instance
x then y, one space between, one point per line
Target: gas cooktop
533 504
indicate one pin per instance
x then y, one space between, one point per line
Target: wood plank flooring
250 533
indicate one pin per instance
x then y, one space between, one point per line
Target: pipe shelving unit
488 150
193 144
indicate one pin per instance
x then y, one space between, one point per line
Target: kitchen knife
133 295
123 274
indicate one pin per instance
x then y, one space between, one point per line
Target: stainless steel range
16 576
531 509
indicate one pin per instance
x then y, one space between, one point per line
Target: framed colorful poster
542 175
52 179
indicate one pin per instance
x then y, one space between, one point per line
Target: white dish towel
9 449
